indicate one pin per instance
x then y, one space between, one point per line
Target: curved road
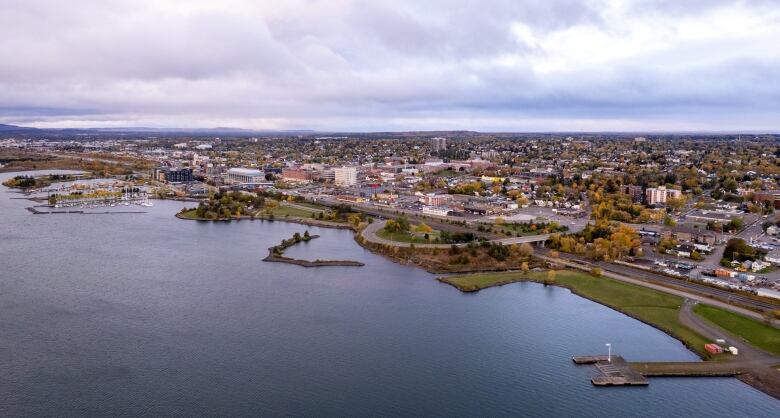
759 367
370 235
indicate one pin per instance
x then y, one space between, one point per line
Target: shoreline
276 254
747 378
523 279
300 221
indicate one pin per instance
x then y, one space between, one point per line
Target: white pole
609 352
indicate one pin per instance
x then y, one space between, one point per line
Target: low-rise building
245 175
436 210
297 175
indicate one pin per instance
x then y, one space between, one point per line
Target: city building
436 210
173 175
634 191
245 175
297 175
659 195
438 144
345 176
432 199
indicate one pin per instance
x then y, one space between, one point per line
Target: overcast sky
514 65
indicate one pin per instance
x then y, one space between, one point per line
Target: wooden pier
688 369
618 372
615 371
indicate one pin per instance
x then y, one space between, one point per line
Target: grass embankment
658 309
756 333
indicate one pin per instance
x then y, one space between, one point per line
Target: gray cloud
392 65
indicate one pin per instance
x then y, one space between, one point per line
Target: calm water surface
144 314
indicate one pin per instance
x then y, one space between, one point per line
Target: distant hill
14 128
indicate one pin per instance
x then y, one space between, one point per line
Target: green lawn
406 237
656 308
315 207
757 333
190 214
287 211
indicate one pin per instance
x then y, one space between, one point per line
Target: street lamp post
609 352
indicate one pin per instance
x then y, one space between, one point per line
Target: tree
596 271
353 219
403 223
550 279
525 250
676 203
423 228
392 226
521 200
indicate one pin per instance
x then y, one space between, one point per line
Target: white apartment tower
656 195
345 176
438 144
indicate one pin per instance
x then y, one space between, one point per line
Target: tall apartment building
345 176
438 144
173 175
656 195
634 191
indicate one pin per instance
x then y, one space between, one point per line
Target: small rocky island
276 254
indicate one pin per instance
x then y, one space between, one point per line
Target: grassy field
653 307
190 214
287 211
315 207
757 333
406 237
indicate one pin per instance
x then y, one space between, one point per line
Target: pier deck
688 369
614 372
619 372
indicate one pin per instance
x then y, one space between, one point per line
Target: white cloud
343 64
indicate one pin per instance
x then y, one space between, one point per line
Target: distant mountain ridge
13 128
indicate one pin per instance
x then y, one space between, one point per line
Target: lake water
145 314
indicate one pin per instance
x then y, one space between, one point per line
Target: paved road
530 239
301 207
369 233
758 366
747 352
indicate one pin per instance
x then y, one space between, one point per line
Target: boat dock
615 371
36 211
